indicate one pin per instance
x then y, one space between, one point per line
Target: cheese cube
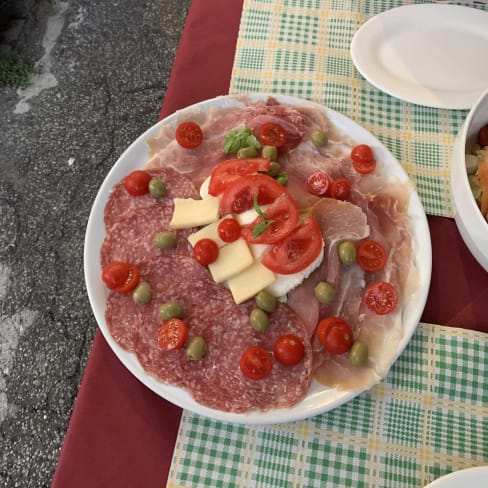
208 232
250 282
233 258
191 213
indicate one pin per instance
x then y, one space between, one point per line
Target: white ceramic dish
428 54
319 399
476 477
469 220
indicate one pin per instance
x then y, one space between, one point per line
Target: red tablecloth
121 434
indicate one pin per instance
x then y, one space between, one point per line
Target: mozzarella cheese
233 258
191 213
250 282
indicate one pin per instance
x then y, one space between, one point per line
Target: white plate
470 477
319 399
431 54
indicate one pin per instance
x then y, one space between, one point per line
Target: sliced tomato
172 334
239 196
335 335
297 250
229 230
226 172
283 215
120 276
271 134
137 182
363 159
381 297
289 350
256 363
206 251
189 135
340 189
318 183
371 255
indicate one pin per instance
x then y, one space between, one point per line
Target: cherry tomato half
206 251
363 159
318 183
335 335
483 136
256 363
189 135
340 189
289 350
120 276
229 230
371 255
381 297
172 334
271 134
137 182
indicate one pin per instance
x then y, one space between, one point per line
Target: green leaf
239 138
259 228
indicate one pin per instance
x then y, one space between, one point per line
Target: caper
170 310
325 292
259 319
319 137
157 188
270 152
142 293
274 169
358 354
282 178
196 348
247 152
265 301
165 240
347 252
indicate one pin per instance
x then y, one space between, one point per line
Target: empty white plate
476 477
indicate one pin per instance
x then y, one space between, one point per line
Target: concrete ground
105 68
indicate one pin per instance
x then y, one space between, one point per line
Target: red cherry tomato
289 350
172 334
120 276
335 335
137 182
483 136
363 159
297 250
340 189
206 251
256 363
229 230
371 255
226 172
283 214
189 135
239 196
318 183
381 297
271 134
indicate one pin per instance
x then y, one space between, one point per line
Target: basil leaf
259 228
258 208
238 138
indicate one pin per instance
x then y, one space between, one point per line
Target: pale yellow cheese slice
192 213
210 231
233 258
250 282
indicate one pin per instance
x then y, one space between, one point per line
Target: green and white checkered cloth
429 417
302 48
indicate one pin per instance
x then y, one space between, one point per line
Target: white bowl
471 224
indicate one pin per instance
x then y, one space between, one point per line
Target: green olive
157 188
274 169
170 310
259 319
325 292
247 152
347 252
196 348
358 354
270 152
165 240
319 137
282 178
142 293
265 301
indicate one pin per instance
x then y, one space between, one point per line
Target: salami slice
120 203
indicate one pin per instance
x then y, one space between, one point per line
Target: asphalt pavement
105 69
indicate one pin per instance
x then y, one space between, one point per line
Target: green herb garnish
260 227
239 138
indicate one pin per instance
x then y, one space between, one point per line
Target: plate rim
182 398
459 475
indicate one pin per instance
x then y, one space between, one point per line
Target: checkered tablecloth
302 48
429 417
